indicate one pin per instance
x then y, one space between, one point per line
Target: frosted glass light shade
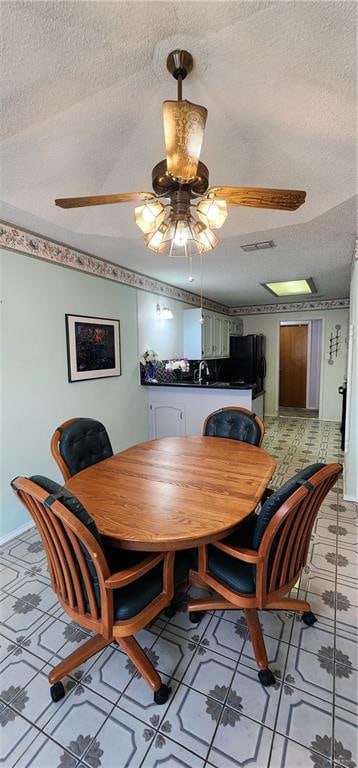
184 125
212 213
154 240
149 216
205 236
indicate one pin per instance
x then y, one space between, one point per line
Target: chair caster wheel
170 611
196 616
309 618
57 691
161 696
266 677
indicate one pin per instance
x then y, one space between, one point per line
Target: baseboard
349 497
16 532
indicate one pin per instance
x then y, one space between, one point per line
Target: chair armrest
122 578
266 494
241 553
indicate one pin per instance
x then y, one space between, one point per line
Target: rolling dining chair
78 443
112 593
258 565
236 424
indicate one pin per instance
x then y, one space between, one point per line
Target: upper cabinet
206 339
236 326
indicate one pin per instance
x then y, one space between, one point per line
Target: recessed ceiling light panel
301 287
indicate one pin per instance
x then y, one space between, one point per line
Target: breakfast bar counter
180 408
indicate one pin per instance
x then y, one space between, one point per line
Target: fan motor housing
164 184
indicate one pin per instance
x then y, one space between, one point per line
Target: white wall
164 336
36 393
331 375
351 436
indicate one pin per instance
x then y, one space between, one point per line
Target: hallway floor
218 714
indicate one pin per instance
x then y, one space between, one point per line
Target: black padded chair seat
236 574
234 425
130 600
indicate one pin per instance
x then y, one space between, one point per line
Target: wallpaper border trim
23 241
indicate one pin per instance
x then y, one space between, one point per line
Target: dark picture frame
93 347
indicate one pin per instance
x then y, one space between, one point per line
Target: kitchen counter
180 407
205 386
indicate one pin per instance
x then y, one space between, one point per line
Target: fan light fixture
164 313
183 225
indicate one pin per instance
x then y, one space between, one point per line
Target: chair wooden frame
277 570
55 448
62 533
242 410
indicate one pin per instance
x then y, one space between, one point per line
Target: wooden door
293 365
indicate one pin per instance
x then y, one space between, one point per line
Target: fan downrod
179 63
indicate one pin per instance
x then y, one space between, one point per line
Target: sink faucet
202 366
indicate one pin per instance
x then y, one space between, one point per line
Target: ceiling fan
185 224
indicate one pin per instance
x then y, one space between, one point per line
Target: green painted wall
36 395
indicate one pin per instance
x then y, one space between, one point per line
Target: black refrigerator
247 363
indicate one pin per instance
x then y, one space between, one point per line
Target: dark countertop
210 385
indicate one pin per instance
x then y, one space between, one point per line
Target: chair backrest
283 533
79 443
76 560
235 423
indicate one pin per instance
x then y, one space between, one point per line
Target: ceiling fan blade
82 202
184 125
280 199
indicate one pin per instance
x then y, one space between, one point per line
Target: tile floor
218 714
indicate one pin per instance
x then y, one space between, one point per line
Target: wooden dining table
174 493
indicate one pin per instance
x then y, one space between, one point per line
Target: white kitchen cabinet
166 419
205 340
176 411
217 336
236 326
225 337
206 335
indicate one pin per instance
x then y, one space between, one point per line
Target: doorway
299 378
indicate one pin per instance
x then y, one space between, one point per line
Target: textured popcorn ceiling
83 85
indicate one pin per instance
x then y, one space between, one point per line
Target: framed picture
93 348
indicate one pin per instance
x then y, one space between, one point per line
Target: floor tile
210 673
137 699
249 697
192 719
121 738
45 753
15 673
16 737
345 746
225 637
18 618
172 654
306 719
109 674
76 723
287 754
310 673
165 753
34 700
276 654
240 741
